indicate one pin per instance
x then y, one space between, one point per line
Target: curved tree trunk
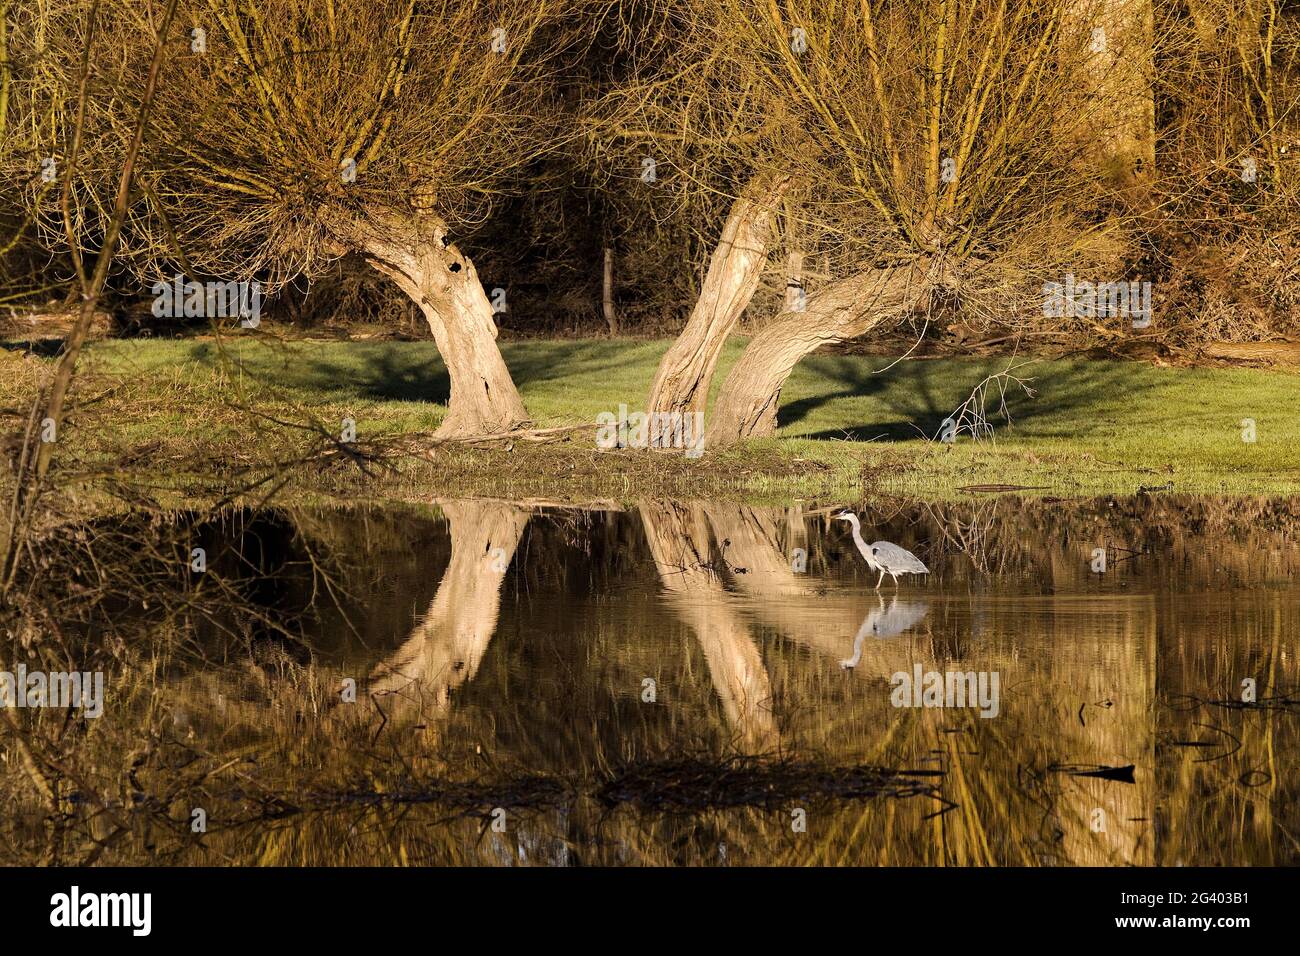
681 383
446 647
444 284
842 310
751 543
796 605
678 537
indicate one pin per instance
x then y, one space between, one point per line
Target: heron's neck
862 545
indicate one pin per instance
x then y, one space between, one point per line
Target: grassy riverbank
190 416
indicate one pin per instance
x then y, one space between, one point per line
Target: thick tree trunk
444 284
446 647
681 383
842 310
678 536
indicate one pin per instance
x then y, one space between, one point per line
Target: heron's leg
881 580
895 577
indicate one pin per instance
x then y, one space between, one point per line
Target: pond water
713 683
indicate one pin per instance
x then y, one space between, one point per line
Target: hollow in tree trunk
681 383
746 407
444 284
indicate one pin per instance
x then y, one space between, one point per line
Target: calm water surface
715 684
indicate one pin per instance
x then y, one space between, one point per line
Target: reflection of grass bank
1093 427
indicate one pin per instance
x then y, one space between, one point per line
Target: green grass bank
195 414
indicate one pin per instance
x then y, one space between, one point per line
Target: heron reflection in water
882 622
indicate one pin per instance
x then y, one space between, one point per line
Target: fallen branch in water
995 488
693 785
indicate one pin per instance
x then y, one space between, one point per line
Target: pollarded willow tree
923 149
288 133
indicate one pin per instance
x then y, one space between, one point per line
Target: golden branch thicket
279 122
1006 135
1019 139
910 128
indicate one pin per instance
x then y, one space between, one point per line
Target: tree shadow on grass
398 375
918 395
540 361
391 372
402 373
414 371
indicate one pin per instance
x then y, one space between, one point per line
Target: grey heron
883 556
881 623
